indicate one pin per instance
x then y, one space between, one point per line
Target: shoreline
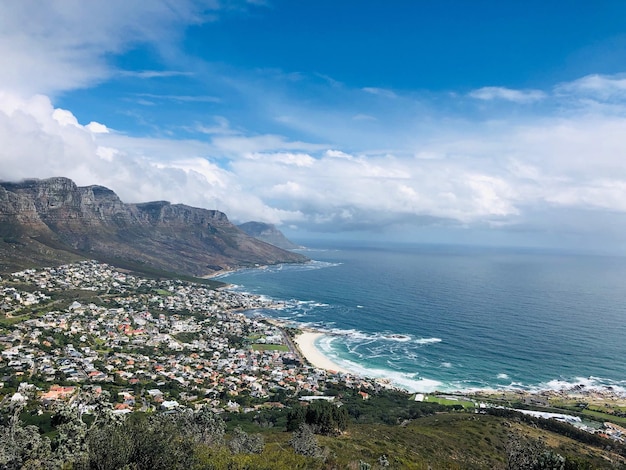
221 272
306 348
305 343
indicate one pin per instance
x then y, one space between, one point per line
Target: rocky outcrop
269 234
92 221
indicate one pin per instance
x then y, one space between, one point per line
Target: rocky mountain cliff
53 220
269 234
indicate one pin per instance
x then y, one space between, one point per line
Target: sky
494 123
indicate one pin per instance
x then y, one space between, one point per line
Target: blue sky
479 122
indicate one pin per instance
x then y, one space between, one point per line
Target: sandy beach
306 344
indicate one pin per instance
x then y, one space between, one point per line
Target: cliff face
55 215
269 234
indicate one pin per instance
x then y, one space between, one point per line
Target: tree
244 443
295 417
304 442
153 441
22 446
158 442
203 426
110 447
70 444
326 418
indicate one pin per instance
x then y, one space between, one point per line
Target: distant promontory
269 234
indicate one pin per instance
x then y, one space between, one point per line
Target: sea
452 318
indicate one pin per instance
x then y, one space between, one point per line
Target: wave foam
308 266
411 382
365 348
313 264
577 385
428 340
354 334
585 384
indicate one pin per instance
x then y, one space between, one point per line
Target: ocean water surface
458 318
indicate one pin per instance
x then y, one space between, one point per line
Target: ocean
454 318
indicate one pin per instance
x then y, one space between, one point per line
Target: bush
244 443
304 442
531 454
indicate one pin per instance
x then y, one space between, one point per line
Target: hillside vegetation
318 436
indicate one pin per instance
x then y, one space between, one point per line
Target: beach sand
306 344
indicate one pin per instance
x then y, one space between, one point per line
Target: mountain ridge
51 219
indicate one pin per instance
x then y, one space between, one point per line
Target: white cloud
57 45
599 87
107 153
380 92
492 196
295 159
364 117
221 126
338 154
97 128
241 145
491 93
65 118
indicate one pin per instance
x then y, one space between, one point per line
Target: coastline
305 342
221 272
304 345
607 397
600 396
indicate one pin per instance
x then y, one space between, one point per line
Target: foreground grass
274 457
443 441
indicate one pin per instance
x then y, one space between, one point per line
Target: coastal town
153 344
169 344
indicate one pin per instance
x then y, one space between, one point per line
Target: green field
448 401
270 347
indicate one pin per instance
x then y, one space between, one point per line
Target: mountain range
52 221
